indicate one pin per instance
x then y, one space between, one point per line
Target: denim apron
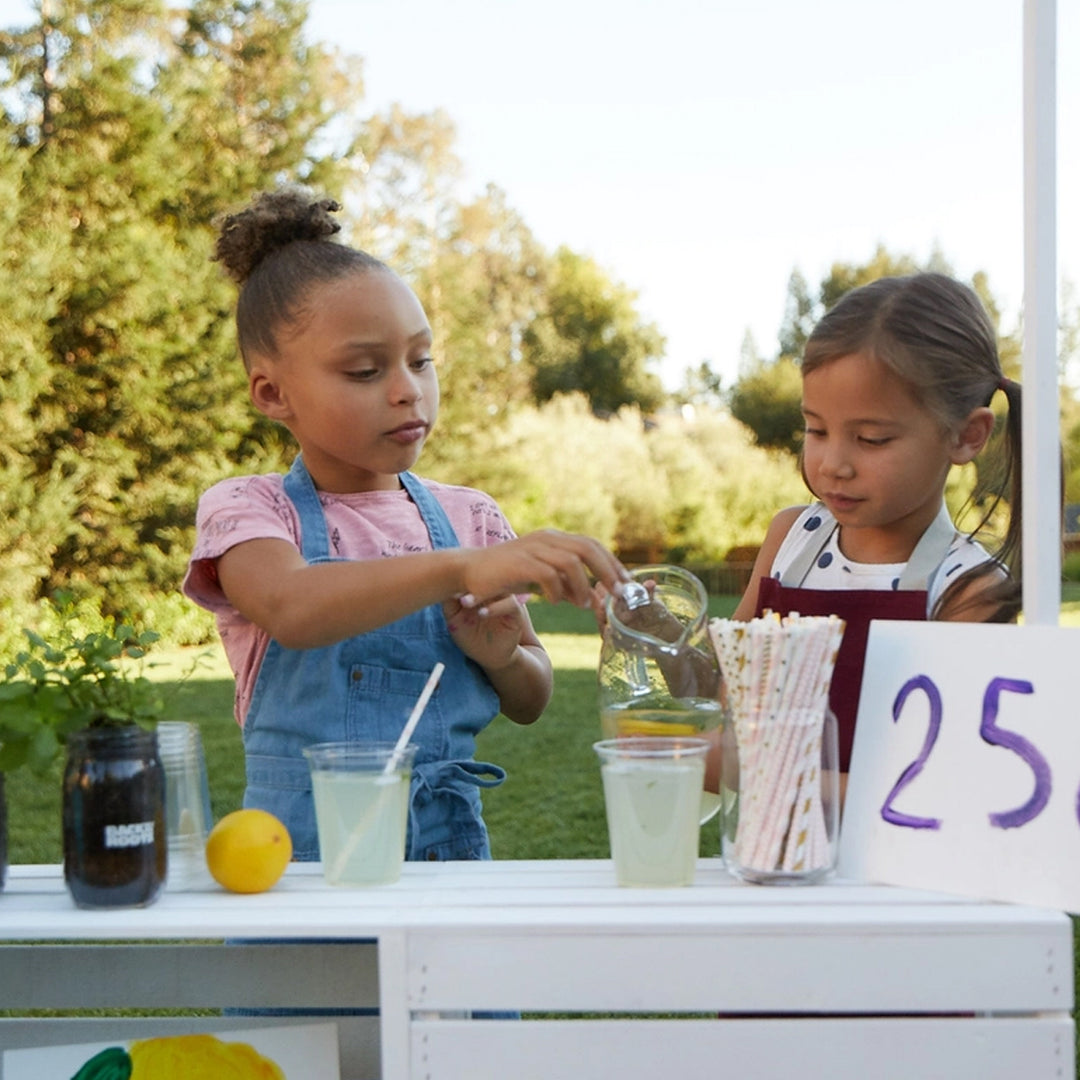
363 689
857 607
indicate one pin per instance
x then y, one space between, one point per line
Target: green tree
481 292
126 131
843 277
800 314
767 397
1069 334
38 499
701 385
768 400
475 267
249 102
590 339
688 490
402 197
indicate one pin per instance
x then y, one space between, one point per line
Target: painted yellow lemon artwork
180 1057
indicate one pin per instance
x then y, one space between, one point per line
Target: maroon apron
857 607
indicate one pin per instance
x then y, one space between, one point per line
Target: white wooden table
834 981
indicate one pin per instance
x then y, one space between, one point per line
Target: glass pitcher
658 673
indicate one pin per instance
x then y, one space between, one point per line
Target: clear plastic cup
652 796
188 818
361 810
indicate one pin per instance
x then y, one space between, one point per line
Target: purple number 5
1010 740
895 817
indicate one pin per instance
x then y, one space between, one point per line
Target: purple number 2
1009 740
895 817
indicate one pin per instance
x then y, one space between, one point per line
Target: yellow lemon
655 727
248 850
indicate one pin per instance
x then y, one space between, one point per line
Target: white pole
1041 454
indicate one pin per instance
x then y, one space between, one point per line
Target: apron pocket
380 701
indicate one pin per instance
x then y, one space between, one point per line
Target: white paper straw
414 717
777 673
357 833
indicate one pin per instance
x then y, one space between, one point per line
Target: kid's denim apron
364 689
856 607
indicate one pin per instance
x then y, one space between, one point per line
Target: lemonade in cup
361 809
652 787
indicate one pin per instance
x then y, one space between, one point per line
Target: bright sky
700 150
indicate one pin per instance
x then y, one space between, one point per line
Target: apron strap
438 524
929 552
300 488
314 539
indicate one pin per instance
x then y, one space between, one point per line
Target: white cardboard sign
965 774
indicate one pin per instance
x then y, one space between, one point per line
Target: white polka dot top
833 570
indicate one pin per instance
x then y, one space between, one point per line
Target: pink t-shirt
362 525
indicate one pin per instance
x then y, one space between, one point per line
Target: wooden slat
202 976
926 1048
883 968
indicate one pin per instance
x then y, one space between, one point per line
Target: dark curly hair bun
274 220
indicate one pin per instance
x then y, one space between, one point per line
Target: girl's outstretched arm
306 606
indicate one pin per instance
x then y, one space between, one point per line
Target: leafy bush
178 620
172 616
1070 566
687 489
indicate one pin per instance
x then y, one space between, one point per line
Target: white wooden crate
839 980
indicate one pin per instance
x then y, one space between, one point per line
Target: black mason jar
114 817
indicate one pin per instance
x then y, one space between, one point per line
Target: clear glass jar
658 671
780 790
115 848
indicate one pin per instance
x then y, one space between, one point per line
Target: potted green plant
84 692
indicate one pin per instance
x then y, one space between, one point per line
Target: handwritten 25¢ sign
965 776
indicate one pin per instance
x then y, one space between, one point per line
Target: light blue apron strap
435 775
931 549
448 780
300 488
438 524
314 539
